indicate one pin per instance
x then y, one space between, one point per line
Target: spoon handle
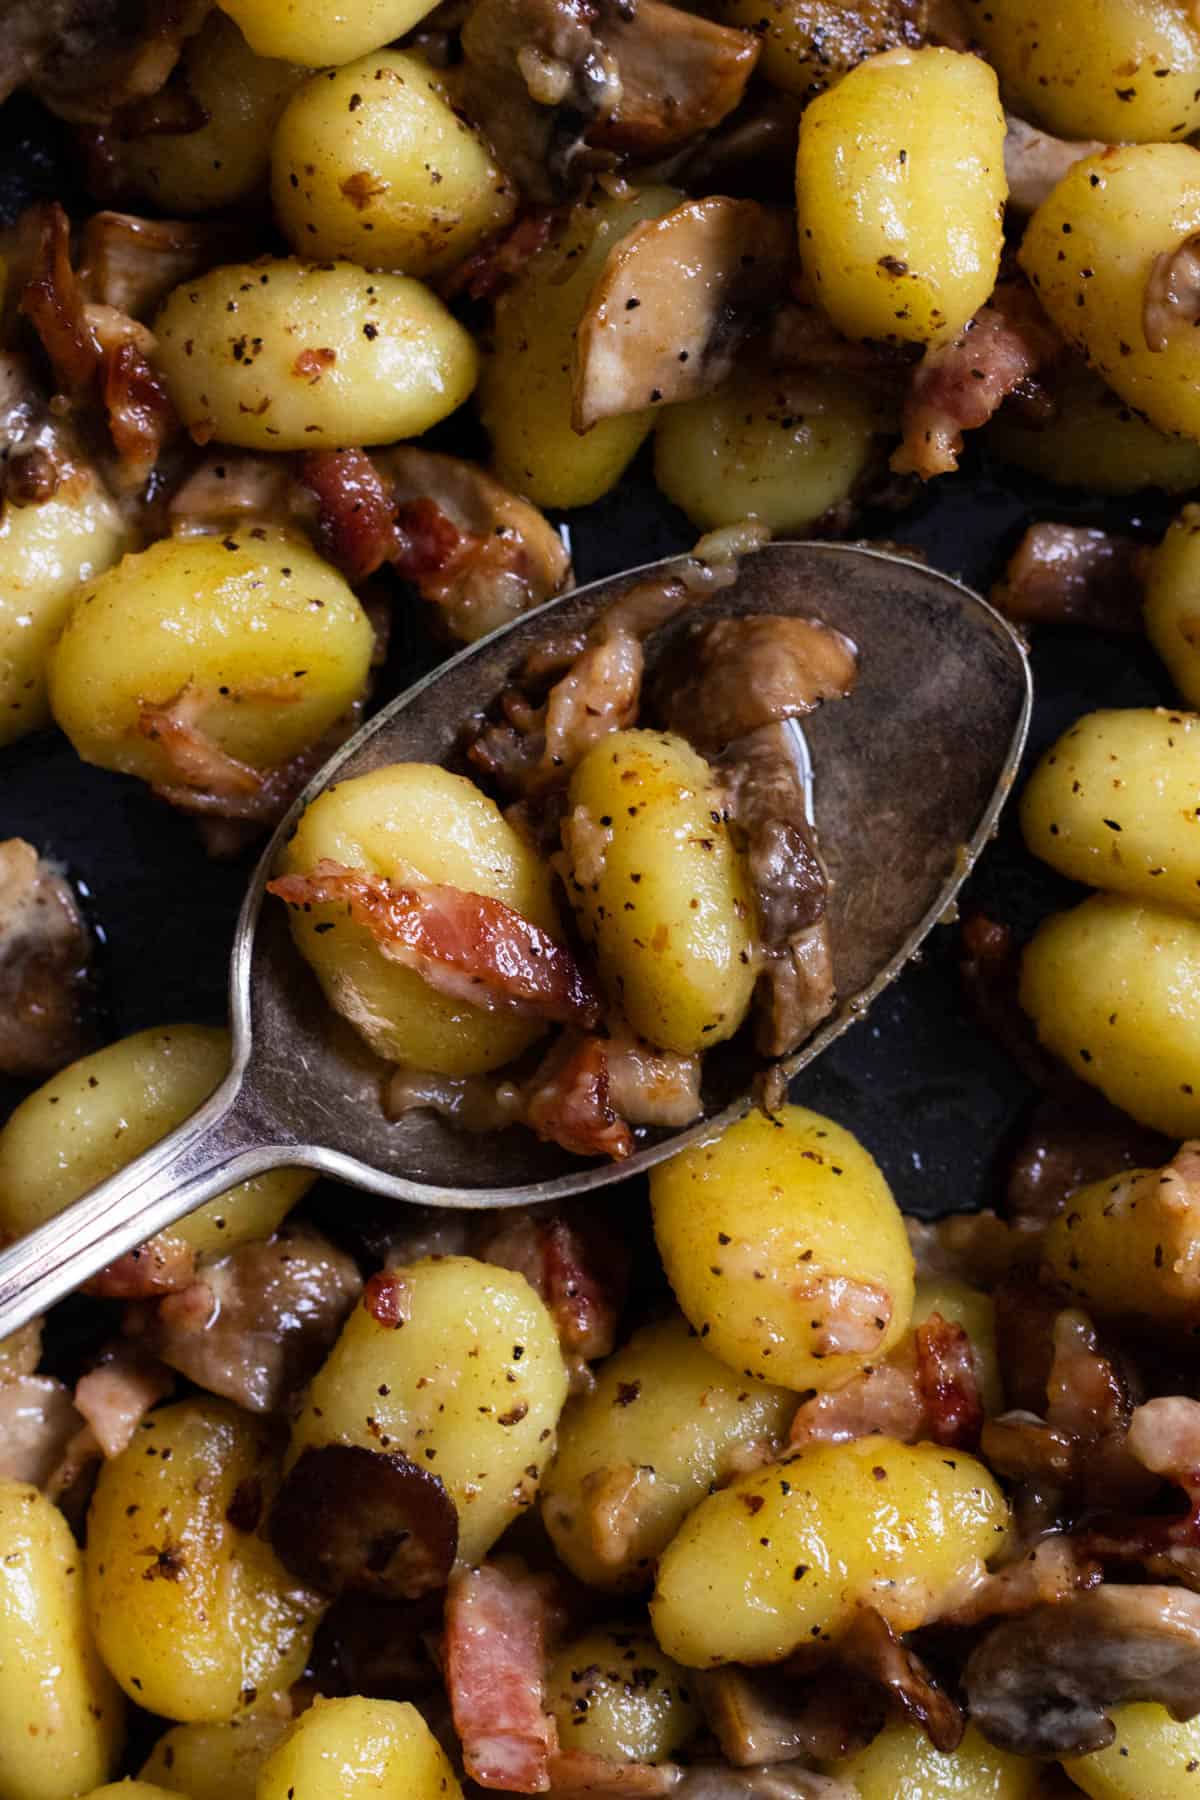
210 1153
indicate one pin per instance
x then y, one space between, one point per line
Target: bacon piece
141 417
195 759
494 1656
163 1265
880 1401
470 946
1164 1438
53 301
569 1102
1074 575
577 1267
357 517
38 1423
949 1383
1045 1574
116 1396
648 1086
958 386
490 269
232 486
45 955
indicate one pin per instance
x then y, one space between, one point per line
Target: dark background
933 1099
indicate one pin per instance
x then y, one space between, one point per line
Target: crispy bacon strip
870 1646
958 386
580 1270
140 415
494 1653
569 1102
469 946
581 1772
488 270
948 1383
195 759
357 517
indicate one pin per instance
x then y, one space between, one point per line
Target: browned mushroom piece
45 948
1172 301
762 1717
1043 1685
349 1520
100 57
1074 575
790 1781
871 1647
680 74
745 673
673 302
133 263
254 1325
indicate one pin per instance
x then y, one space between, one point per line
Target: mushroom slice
45 953
680 74
672 304
365 1521
1043 1685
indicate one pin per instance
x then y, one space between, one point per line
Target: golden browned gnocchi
525 387
191 1609
289 355
782 447
902 1761
664 1422
356 1749
807 45
1114 803
1128 1247
1113 988
414 822
900 193
1090 249
215 1762
784 1556
372 162
659 890
45 552
62 1716
250 640
1173 602
1095 440
1152 1757
785 1248
101 1112
462 1373
306 31
227 158
614 1694
1123 71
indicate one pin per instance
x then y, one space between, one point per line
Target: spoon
911 774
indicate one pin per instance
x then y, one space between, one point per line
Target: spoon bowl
910 776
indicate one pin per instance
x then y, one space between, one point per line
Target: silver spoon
911 772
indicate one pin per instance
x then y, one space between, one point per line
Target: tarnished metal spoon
911 774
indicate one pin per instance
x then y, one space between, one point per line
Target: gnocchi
289 355
900 194
414 822
1113 803
215 1762
659 890
190 1608
249 645
1172 588
784 448
62 1716
901 1760
469 1383
1150 1758
1112 988
612 1693
664 1423
1089 250
783 1556
106 1109
371 162
355 1749
305 31
785 1248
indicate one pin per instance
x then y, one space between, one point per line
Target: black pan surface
934 1100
